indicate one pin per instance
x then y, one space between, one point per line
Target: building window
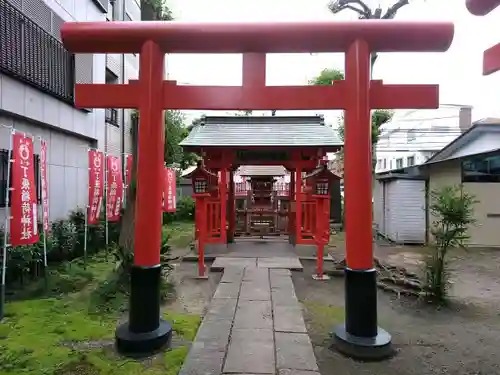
111 15
481 168
30 54
410 160
4 159
101 4
111 114
399 163
385 163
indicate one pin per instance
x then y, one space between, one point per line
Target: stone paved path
254 326
290 262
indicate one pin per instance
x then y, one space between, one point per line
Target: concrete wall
68 131
487 211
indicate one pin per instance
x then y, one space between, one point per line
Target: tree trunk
126 240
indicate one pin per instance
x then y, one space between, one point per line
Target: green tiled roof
262 131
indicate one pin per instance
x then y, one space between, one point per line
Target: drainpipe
122 122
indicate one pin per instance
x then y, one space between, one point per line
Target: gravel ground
462 339
192 295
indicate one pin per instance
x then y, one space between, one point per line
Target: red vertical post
358 163
319 238
223 204
145 331
291 198
298 204
360 332
231 208
202 236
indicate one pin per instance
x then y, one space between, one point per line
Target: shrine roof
244 131
262 170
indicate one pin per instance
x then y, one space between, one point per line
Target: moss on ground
66 334
323 317
181 234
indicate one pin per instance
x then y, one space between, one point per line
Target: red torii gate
491 57
357 95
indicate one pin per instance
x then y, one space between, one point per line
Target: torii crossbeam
491 57
357 95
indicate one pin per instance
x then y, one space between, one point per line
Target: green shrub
453 210
184 211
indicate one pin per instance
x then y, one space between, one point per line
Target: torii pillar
357 95
491 57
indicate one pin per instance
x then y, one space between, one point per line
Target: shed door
378 205
405 202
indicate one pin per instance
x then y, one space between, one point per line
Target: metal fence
30 54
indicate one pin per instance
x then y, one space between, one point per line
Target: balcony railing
30 54
242 188
112 116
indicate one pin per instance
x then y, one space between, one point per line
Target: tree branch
340 5
393 10
366 8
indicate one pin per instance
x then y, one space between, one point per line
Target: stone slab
291 263
294 351
287 371
213 335
281 282
284 297
276 272
289 319
253 315
255 291
256 274
251 351
221 263
227 291
232 274
202 362
221 309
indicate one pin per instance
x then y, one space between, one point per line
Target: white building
37 77
412 137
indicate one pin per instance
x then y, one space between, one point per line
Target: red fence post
202 237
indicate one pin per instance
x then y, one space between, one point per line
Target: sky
458 71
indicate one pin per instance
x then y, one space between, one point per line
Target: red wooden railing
308 219
242 188
213 220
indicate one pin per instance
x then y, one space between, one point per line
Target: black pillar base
360 337
145 333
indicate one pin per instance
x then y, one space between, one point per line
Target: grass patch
52 335
324 317
181 234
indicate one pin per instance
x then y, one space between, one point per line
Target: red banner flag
114 195
23 222
44 185
169 190
128 169
96 186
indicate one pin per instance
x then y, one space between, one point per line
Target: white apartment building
412 137
37 77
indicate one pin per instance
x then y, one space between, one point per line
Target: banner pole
125 181
85 238
106 200
41 168
6 229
